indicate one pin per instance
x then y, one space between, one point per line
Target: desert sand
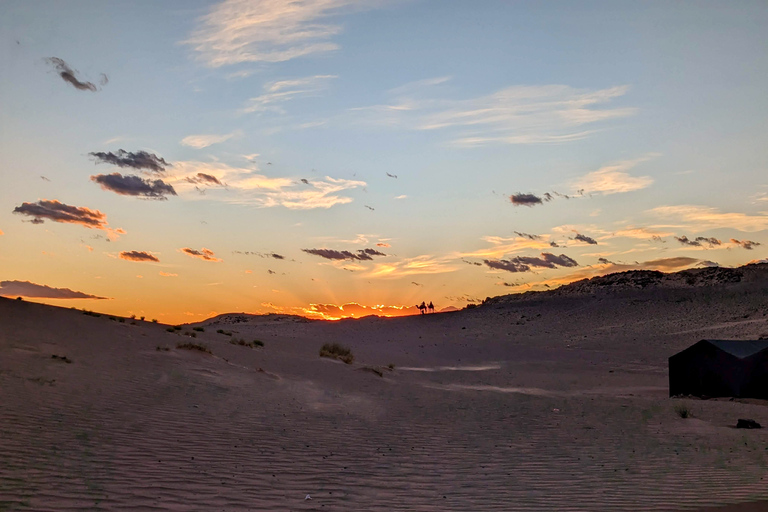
548 401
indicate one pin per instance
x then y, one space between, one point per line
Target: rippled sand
480 413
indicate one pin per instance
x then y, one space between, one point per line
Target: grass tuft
683 411
198 329
337 351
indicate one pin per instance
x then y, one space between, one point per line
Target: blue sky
438 135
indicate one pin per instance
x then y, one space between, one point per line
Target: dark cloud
746 244
204 179
304 181
392 175
526 263
416 284
585 238
44 178
472 262
103 79
553 244
134 160
699 241
657 238
134 186
271 272
527 235
369 207
524 199
383 244
68 75
604 261
60 212
204 254
138 256
28 289
547 196
331 254
708 263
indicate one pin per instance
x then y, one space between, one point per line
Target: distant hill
634 280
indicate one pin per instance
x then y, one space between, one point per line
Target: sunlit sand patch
497 389
469 368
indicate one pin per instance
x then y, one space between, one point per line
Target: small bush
142 319
391 366
336 351
121 320
154 320
113 319
177 327
198 329
162 349
257 343
194 346
171 329
19 298
225 333
133 317
91 313
683 411
192 334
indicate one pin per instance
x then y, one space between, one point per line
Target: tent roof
740 348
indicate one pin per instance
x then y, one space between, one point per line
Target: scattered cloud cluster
134 186
699 241
331 254
203 254
70 76
139 160
528 263
204 179
240 31
138 256
273 255
29 289
59 212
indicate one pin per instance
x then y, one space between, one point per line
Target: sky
331 158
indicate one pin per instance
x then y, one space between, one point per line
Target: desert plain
543 401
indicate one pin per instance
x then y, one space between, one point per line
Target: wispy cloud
168 274
203 141
278 92
138 256
203 254
513 115
139 160
642 233
134 186
701 218
239 31
424 264
501 246
699 241
586 239
29 289
59 212
613 179
247 186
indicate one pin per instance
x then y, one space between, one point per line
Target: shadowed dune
555 401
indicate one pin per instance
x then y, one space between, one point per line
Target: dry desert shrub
194 346
336 351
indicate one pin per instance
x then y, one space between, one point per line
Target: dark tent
717 368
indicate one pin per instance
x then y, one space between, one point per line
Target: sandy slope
550 403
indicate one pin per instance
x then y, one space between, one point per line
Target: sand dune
548 402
